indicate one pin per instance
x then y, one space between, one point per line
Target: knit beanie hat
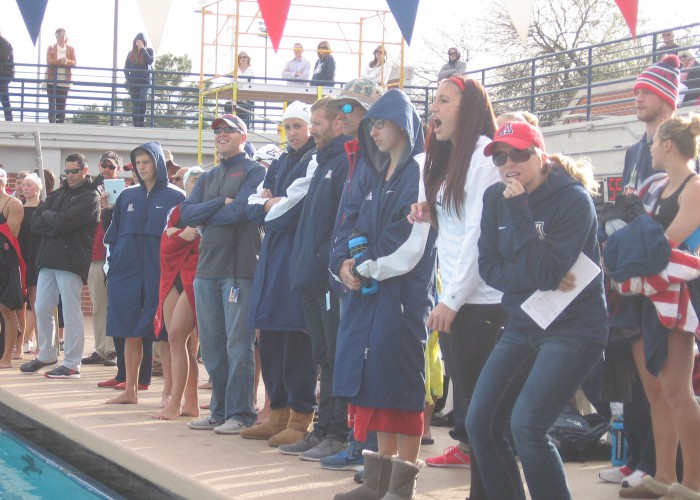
299 110
662 79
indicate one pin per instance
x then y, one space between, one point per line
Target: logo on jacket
329 174
369 196
539 227
131 208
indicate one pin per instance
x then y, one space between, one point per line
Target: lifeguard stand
230 26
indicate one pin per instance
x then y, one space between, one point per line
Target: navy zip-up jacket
380 360
529 242
138 221
274 306
312 244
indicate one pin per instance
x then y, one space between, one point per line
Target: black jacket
66 222
7 60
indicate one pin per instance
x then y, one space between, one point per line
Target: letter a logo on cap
506 130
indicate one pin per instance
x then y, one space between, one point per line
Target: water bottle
357 243
619 443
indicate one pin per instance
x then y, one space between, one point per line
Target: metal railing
556 87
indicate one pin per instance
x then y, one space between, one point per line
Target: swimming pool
27 472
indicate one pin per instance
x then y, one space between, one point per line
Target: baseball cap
111 157
268 152
229 120
520 135
128 167
361 91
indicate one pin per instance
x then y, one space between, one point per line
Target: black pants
5 98
57 102
322 325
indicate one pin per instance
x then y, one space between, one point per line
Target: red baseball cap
520 135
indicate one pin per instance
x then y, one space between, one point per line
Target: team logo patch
506 130
131 208
369 196
539 227
329 174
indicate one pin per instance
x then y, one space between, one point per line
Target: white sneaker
615 475
634 479
28 347
231 427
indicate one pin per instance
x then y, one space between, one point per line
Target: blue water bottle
619 443
357 243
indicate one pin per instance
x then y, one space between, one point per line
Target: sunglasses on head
517 155
377 123
72 171
108 165
228 130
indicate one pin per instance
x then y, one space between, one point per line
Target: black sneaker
93 359
111 359
62 372
34 365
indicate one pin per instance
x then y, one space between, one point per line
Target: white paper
544 306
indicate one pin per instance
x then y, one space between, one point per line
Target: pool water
26 472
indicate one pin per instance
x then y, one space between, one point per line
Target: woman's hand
350 281
420 212
189 233
567 283
513 188
170 231
103 201
441 318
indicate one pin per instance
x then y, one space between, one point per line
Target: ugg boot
376 478
298 426
403 480
277 423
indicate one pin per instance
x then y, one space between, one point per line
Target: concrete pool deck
200 464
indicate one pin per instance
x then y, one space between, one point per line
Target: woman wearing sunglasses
469 316
380 365
535 225
375 70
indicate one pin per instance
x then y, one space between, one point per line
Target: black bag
577 437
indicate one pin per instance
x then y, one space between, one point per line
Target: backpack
577 437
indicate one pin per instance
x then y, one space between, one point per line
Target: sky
90 27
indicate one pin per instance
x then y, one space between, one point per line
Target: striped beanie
662 79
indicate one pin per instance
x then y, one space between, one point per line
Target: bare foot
169 412
123 399
164 400
189 409
17 355
5 365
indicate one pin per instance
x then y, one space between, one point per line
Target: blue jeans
559 366
139 97
227 346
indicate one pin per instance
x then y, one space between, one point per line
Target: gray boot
403 480
376 480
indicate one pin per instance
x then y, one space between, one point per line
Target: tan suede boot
298 426
277 423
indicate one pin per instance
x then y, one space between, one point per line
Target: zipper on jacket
366 352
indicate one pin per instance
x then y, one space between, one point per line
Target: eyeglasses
60 36
517 155
228 130
452 53
72 171
347 108
108 165
377 123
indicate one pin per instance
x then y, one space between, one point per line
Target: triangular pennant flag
274 13
154 14
33 14
520 13
404 12
629 10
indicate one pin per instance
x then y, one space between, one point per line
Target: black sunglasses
228 130
517 155
72 170
108 165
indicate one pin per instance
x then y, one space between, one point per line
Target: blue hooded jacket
529 242
138 220
380 360
274 306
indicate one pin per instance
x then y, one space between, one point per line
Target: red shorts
364 420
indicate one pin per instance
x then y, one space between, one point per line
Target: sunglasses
517 155
72 171
228 130
347 108
108 165
377 123
60 36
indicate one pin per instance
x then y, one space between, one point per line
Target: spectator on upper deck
298 70
670 46
324 70
454 66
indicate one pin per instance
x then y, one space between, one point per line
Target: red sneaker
451 457
108 383
122 386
